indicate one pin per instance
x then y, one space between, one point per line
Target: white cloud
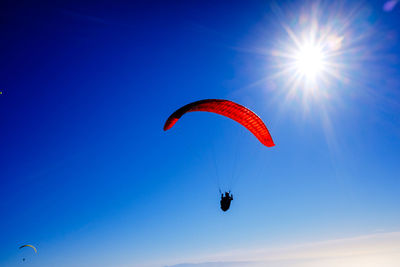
376 250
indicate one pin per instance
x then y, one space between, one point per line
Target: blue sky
89 177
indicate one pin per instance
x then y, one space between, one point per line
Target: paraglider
232 110
226 201
24 246
229 109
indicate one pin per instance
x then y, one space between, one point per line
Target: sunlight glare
309 61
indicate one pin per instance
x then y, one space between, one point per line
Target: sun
309 61
309 58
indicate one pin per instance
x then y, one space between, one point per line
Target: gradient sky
89 177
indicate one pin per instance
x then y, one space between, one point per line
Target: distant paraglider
24 246
234 111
